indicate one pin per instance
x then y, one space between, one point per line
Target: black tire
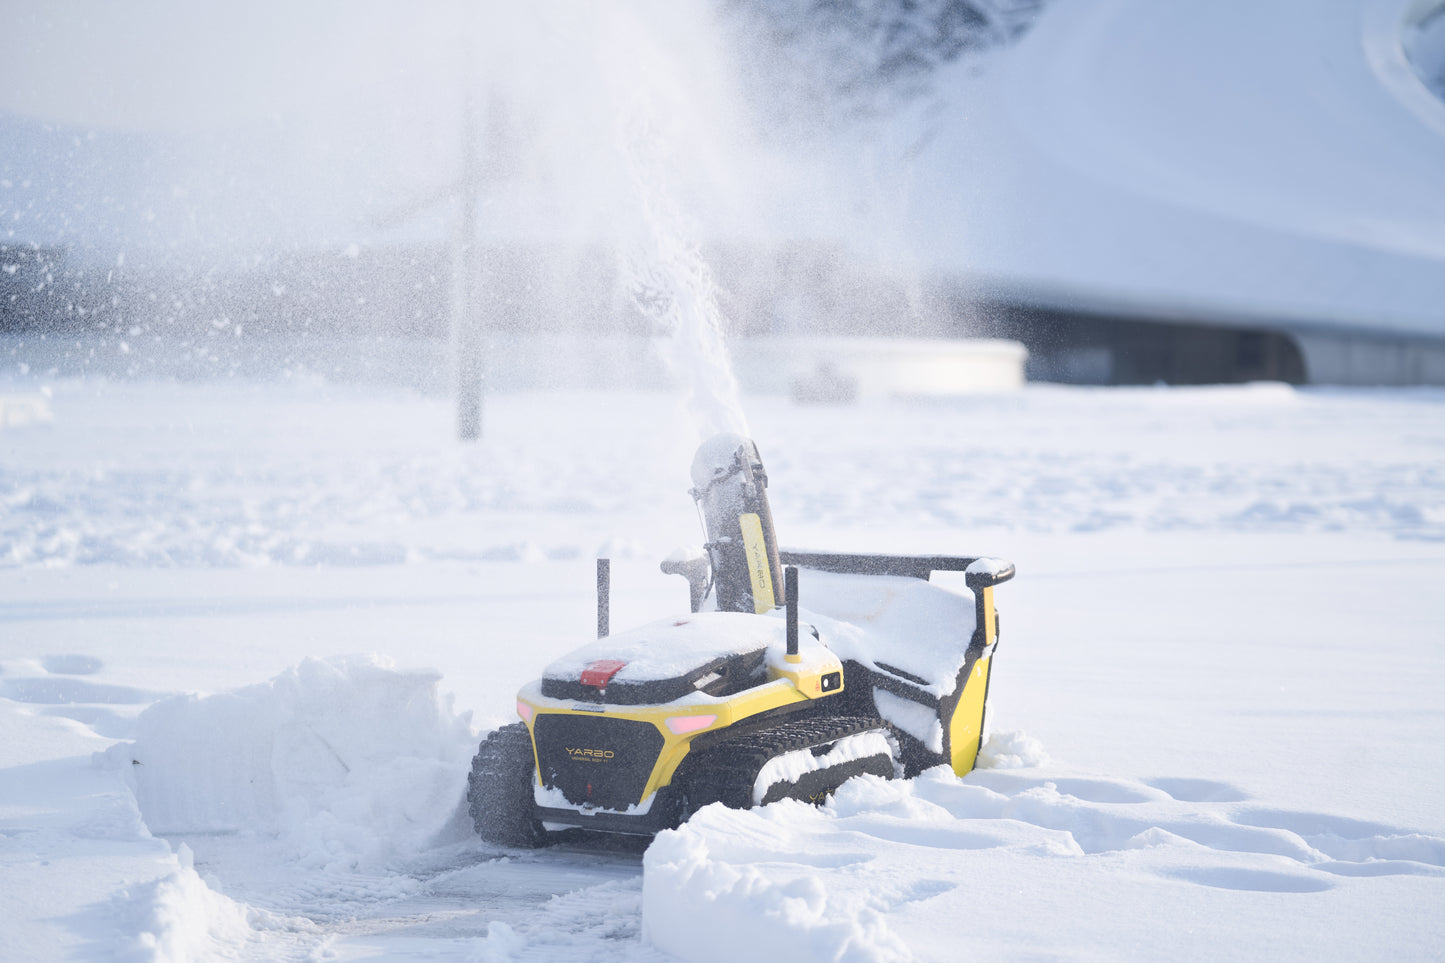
728 771
499 790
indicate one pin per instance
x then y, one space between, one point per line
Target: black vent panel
596 760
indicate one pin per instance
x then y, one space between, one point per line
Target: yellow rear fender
964 722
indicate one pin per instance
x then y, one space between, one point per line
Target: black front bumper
663 814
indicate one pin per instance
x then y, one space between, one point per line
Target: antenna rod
790 599
604 596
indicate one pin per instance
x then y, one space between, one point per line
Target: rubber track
499 789
725 772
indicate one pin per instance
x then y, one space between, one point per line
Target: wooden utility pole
473 271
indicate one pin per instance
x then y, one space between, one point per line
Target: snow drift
178 918
707 884
916 869
346 761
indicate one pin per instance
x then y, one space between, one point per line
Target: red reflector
600 673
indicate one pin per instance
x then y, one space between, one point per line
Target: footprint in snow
72 664
920 890
1252 880
102 720
1083 789
1198 790
1358 848
48 690
1102 791
1201 812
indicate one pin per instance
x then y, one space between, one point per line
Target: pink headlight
681 725
524 710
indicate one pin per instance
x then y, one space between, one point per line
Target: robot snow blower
866 667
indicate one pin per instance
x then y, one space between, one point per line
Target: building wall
1348 358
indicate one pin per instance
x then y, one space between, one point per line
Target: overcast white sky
168 64
271 114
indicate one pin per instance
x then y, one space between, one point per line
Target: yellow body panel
807 677
789 683
965 729
771 695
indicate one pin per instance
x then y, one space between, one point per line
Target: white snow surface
1217 697
891 870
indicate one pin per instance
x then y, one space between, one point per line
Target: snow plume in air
671 285
682 157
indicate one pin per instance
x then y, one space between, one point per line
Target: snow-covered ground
249 634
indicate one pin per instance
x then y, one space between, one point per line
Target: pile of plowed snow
1024 859
346 762
177 918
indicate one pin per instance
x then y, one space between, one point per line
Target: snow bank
178 918
1011 862
1012 750
708 895
346 761
789 876
87 881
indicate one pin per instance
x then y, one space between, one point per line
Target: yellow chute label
759 573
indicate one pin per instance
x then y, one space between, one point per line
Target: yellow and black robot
867 667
